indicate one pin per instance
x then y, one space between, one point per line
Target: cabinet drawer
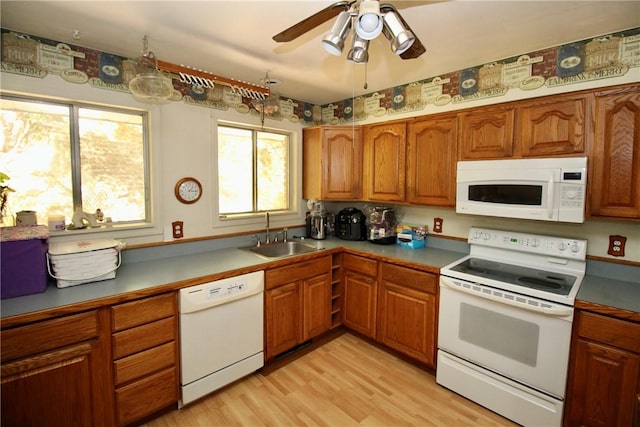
49 334
604 329
361 264
143 337
144 363
298 271
144 397
142 311
416 279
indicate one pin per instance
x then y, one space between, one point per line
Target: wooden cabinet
384 162
614 171
407 312
332 162
431 161
486 133
544 127
297 304
56 372
552 126
145 356
360 288
604 376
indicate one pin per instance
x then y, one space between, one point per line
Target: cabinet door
553 127
384 162
431 161
359 303
603 389
406 321
283 309
615 160
317 306
343 163
332 162
486 133
52 389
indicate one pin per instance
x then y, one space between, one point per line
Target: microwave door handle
557 311
550 195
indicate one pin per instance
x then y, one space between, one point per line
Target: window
253 171
60 156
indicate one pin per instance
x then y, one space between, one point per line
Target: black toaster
350 224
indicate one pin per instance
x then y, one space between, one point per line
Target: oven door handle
559 311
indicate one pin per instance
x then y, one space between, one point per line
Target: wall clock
188 190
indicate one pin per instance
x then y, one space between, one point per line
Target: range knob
575 248
562 246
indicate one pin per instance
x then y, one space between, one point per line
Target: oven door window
488 329
512 194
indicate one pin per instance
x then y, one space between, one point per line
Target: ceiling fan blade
417 48
312 21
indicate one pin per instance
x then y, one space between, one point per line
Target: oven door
521 338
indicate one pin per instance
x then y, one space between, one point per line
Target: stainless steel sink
282 249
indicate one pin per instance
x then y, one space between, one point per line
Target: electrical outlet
616 245
437 225
178 229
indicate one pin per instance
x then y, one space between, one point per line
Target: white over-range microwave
545 189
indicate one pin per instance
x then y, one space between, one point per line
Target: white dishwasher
221 333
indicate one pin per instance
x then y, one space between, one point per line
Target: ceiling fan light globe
151 87
400 37
333 41
359 52
332 44
402 42
369 21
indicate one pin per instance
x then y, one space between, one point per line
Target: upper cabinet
550 126
486 133
553 126
332 162
614 170
385 162
431 161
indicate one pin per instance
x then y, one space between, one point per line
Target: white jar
56 223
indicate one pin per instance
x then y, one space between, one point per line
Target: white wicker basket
75 263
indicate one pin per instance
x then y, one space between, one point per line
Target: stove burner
556 283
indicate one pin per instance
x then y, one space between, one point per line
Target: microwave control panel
562 247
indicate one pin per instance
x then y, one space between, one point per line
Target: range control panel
562 247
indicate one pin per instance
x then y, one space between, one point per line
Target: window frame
74 107
238 222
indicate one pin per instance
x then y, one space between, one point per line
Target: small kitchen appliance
381 225
319 225
505 318
350 224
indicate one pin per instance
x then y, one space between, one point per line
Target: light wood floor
346 382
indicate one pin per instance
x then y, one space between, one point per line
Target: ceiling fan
369 18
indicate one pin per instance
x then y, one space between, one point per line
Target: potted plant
4 195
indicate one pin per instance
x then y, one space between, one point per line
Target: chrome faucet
268 238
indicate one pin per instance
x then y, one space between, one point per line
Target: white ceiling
234 38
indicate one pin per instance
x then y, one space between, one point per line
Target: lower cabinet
407 312
360 287
53 372
297 304
604 372
145 356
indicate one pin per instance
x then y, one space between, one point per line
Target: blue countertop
620 291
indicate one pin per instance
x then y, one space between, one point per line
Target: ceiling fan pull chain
365 76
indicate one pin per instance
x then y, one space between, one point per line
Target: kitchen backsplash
600 57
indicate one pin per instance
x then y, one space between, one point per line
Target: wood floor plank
346 382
